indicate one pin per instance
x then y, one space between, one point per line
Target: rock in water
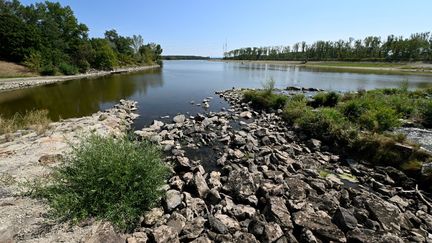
179 119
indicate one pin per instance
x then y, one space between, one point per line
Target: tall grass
37 120
106 178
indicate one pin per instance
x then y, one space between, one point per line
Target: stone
196 205
201 239
138 237
241 211
399 201
231 224
177 221
241 184
276 210
320 224
344 219
242 237
50 159
217 225
214 180
104 232
173 199
200 185
165 234
272 232
183 164
246 114
153 216
387 214
179 119
193 228
214 197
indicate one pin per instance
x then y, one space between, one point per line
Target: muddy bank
272 185
18 83
26 155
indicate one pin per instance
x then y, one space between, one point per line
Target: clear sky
200 27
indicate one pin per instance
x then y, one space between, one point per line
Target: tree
137 42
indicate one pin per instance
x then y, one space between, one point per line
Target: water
170 90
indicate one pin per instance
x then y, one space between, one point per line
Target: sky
201 27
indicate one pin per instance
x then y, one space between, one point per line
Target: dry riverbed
26 155
18 83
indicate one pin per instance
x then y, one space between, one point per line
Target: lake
170 90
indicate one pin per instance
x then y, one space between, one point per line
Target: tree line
418 47
47 38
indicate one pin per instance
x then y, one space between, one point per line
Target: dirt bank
18 83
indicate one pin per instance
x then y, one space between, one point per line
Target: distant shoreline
402 68
8 84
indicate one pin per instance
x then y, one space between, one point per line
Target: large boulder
165 234
241 184
193 229
345 219
276 210
388 215
200 185
320 223
173 199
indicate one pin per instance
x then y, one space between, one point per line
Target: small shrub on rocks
106 178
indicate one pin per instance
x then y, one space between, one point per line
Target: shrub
426 114
268 86
106 178
295 109
263 100
48 70
329 99
67 69
380 119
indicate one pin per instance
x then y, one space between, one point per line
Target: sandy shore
18 83
412 68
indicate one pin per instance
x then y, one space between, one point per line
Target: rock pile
269 185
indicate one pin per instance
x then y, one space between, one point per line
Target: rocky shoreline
239 175
27 155
260 182
8 84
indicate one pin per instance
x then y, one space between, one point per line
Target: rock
183 164
320 224
231 224
201 239
277 211
214 180
179 119
153 216
164 234
196 205
177 221
246 114
217 225
238 154
241 184
272 232
200 185
387 214
241 211
307 236
50 159
137 237
104 232
173 199
193 229
242 237
399 201
214 197
344 219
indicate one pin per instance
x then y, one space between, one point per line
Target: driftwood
422 197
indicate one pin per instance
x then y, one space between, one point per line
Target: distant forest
183 57
418 47
47 38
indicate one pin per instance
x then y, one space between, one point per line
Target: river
170 90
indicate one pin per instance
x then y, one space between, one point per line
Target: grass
360 123
37 120
265 99
358 64
13 70
106 178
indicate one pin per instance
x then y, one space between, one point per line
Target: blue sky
200 27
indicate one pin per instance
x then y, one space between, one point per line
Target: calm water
170 90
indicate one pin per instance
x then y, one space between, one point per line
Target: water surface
170 90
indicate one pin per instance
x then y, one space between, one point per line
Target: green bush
106 178
328 99
426 114
48 70
294 109
264 100
380 119
67 69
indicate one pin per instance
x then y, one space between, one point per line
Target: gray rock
200 185
241 211
277 211
177 221
173 199
104 232
138 237
387 214
344 219
179 119
241 184
242 237
231 224
320 224
153 216
165 234
217 225
193 229
246 114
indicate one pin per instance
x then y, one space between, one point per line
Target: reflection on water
170 90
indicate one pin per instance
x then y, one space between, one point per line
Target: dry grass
12 70
36 120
